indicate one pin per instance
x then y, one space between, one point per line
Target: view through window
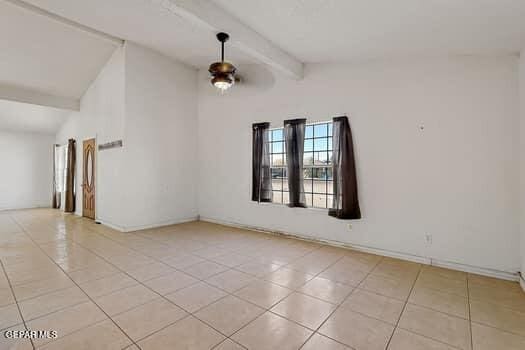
317 165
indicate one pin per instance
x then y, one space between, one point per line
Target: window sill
323 210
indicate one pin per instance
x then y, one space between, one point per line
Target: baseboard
522 282
505 275
160 224
146 227
383 252
47 206
111 225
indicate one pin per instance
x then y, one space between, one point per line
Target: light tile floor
202 286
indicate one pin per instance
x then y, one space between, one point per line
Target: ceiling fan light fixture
223 81
222 73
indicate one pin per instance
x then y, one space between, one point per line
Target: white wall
26 175
150 102
101 116
161 140
455 180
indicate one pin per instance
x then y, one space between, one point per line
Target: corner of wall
521 82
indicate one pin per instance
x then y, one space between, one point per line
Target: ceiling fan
223 73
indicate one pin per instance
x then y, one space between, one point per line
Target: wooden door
88 179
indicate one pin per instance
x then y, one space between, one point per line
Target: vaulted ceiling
51 50
43 56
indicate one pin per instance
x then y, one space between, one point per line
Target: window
317 165
278 166
61 169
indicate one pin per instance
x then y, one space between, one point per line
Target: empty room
262 174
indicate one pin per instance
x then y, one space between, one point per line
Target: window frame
327 167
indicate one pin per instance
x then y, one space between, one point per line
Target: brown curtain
56 195
294 143
69 205
346 202
261 175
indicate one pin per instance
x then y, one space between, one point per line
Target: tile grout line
469 315
265 309
61 288
316 331
438 311
16 302
430 338
404 307
133 342
11 286
500 329
293 290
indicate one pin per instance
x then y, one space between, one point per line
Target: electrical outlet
428 238
349 226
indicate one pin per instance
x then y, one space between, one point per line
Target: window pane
321 144
285 184
278 147
277 197
330 187
308 145
309 131
277 184
320 158
320 130
286 198
308 158
319 173
329 173
319 200
277 135
330 129
277 173
319 186
307 185
330 143
308 173
277 160
308 199
330 201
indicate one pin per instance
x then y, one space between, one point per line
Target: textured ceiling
347 30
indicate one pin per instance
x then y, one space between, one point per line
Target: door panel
88 179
